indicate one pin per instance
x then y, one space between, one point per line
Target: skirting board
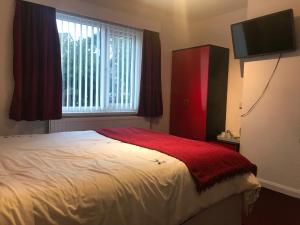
280 188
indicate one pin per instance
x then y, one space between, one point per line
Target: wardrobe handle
186 103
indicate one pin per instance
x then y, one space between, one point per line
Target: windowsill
112 114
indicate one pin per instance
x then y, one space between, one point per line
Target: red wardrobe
199 92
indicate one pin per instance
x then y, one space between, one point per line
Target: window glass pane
101 65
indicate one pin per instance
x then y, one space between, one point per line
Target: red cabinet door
189 93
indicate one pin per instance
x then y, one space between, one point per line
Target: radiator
93 123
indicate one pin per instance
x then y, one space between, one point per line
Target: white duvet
83 178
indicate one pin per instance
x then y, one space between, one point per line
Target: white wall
216 30
6 78
175 33
271 133
144 18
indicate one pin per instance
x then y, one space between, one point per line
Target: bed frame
225 212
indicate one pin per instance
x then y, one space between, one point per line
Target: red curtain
36 64
150 93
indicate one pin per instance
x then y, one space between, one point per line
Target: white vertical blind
80 72
68 65
97 69
101 65
86 68
74 68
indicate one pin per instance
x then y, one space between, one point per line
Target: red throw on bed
208 163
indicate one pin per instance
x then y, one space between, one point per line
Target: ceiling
189 8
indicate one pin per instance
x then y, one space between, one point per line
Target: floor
273 208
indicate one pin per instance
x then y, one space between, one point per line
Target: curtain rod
87 17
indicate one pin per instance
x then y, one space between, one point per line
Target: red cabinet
199 90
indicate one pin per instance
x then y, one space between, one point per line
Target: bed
84 178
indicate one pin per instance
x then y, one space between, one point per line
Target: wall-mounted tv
273 33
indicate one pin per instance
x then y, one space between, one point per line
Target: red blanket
207 163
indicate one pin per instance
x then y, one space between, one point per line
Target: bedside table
233 144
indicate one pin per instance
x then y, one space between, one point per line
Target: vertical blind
101 65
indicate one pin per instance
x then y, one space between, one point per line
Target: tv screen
272 33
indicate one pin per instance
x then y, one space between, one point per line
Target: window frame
137 82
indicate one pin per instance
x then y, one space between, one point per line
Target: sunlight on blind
101 65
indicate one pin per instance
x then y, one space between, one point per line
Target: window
101 65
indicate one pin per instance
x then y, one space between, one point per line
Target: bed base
225 212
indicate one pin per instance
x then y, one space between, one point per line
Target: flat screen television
273 33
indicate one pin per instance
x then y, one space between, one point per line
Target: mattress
84 178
